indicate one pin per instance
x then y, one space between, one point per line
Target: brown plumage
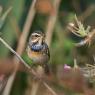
38 50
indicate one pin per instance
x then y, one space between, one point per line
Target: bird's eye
36 36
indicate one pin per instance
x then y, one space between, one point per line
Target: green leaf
27 59
3 17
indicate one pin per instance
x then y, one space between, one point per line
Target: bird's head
37 37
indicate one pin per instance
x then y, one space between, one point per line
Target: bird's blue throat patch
36 47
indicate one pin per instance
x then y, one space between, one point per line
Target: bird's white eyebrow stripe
36 34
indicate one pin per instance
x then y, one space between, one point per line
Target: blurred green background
61 49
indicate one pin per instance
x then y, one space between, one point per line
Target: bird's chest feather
37 57
33 54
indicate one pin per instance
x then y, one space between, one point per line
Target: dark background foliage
61 48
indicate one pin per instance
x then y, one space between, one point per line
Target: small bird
38 51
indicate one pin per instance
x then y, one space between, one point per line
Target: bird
38 50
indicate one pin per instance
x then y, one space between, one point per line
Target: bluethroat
38 50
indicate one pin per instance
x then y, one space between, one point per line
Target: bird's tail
47 69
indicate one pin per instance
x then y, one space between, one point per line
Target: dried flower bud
44 7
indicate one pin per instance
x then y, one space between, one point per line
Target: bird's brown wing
46 50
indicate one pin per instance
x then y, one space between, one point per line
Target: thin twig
31 70
94 57
26 28
75 64
51 22
17 55
21 46
1 10
35 86
49 88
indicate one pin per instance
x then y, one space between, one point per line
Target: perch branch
31 70
49 88
21 46
17 55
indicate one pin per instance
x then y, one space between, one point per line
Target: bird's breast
38 57
33 54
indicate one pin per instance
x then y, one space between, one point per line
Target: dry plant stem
21 46
94 57
35 86
20 49
51 22
1 9
7 88
3 84
32 71
75 64
49 32
17 55
49 88
26 28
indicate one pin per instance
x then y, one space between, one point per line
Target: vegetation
70 33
